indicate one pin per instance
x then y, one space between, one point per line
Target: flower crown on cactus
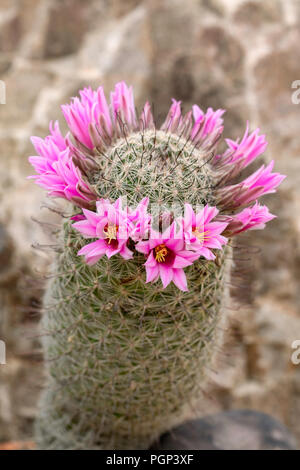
66 167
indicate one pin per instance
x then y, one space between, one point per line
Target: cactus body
131 325
127 359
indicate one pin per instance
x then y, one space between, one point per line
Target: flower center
161 251
202 236
110 230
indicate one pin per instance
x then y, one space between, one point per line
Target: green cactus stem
128 360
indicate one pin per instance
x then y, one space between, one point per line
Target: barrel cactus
133 311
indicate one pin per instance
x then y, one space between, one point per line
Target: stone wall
235 54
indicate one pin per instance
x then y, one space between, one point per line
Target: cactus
127 354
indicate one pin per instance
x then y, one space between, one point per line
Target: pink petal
85 228
152 274
166 275
179 279
181 262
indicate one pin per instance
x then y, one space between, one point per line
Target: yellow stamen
201 235
111 232
161 252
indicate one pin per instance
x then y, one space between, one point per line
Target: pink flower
259 183
56 136
111 226
173 118
251 218
86 112
141 220
200 233
248 149
123 105
209 124
89 117
166 258
240 155
48 148
56 170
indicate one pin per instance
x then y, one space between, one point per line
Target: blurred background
235 54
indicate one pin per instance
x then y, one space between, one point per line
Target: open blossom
263 181
56 170
240 154
50 146
166 257
200 233
111 226
251 218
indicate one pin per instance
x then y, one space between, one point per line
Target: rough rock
231 430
